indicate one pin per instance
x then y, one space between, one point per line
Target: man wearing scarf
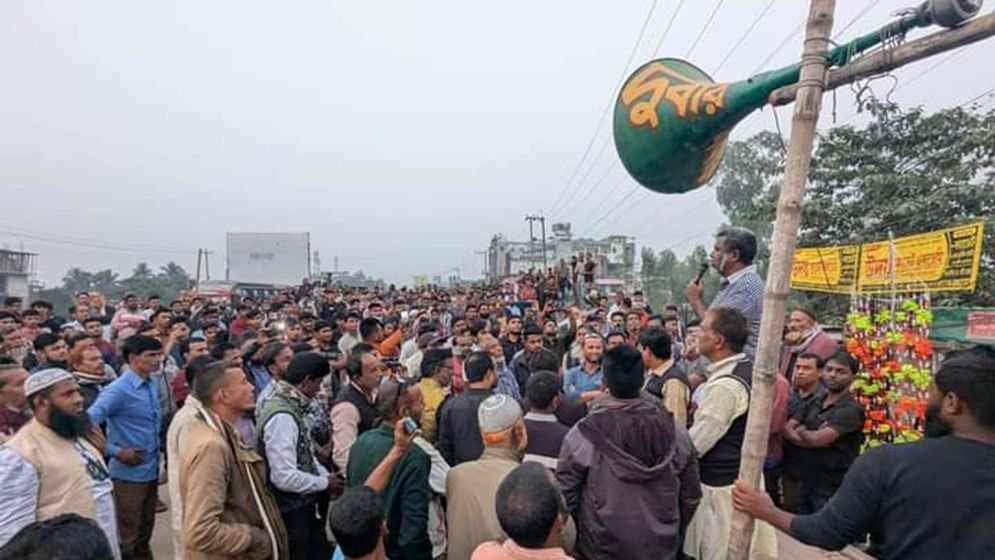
804 335
295 477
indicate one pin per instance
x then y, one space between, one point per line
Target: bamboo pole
878 62
789 207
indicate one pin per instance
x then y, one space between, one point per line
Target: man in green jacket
407 495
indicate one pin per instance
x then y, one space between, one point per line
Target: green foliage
664 276
905 172
165 282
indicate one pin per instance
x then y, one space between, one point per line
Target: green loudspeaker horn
672 121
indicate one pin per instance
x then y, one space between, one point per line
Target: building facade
16 270
615 254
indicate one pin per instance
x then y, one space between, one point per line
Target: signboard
268 258
981 325
939 261
825 269
963 324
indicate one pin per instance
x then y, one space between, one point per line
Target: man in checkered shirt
741 287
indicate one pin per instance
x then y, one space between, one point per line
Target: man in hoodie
621 466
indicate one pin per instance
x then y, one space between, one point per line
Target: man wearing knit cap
48 468
471 487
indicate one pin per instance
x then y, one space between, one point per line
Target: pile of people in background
528 419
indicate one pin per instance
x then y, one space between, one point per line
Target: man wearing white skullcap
471 486
49 467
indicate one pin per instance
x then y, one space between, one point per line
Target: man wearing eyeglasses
49 468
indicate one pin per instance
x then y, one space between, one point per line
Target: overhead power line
90 243
708 23
794 33
746 34
856 18
666 30
604 114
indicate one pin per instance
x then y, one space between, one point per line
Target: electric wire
704 29
749 30
88 243
607 109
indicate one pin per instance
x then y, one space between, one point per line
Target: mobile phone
410 425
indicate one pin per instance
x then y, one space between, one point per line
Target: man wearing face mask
741 287
929 499
49 468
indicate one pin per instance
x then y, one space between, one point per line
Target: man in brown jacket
227 512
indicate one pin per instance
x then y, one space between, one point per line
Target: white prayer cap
44 379
498 413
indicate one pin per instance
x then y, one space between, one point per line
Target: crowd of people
483 422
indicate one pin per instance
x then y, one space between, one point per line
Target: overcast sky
402 135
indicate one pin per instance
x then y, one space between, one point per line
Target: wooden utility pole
200 254
789 208
884 60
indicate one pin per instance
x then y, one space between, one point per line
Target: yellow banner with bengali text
825 269
938 261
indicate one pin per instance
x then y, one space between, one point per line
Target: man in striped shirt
741 287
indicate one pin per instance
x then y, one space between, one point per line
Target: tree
167 282
664 277
77 280
905 172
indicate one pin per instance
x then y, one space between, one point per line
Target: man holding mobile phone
407 495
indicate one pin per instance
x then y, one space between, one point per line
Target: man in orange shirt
371 332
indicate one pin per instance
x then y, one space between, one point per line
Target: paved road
162 537
162 543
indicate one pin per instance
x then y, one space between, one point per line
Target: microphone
702 270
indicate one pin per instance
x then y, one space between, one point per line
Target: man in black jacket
459 429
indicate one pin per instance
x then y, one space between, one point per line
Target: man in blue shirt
130 407
584 381
741 287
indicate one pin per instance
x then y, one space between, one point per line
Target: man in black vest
719 424
295 478
665 380
353 412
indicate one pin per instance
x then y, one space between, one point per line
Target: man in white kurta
723 400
